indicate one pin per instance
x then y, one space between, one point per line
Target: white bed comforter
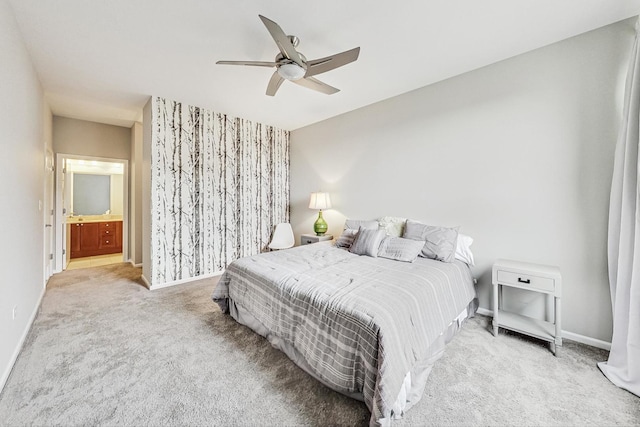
361 324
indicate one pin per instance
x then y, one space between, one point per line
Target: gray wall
135 194
519 154
72 136
84 138
146 193
24 124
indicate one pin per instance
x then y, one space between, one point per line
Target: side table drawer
304 240
307 239
545 284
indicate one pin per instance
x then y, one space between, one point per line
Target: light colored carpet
106 351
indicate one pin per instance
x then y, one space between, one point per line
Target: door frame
49 217
60 217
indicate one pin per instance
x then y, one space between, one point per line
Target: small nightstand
532 277
306 239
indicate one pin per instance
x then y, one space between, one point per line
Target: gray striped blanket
360 323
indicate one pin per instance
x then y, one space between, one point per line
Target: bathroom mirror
91 194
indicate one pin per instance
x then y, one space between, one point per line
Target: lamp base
320 226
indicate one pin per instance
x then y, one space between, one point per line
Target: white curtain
623 366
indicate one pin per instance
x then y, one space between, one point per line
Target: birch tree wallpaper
219 185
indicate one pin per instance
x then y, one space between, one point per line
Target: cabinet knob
107 231
107 241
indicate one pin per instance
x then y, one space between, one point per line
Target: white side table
306 239
532 277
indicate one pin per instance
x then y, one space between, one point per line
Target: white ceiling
100 60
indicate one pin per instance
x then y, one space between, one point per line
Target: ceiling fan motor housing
287 68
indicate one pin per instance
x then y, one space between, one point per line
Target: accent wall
219 185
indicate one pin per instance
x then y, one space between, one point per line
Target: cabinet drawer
526 281
108 241
304 240
107 226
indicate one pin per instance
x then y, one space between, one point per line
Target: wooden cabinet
119 235
89 237
95 238
107 234
74 239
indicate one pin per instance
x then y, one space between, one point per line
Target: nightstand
306 239
532 277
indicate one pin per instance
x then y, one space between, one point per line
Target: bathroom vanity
93 236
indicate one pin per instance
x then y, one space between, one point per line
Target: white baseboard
134 264
16 352
181 281
145 281
484 312
593 342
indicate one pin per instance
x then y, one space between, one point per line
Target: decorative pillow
439 242
392 225
354 224
367 242
346 238
400 249
463 249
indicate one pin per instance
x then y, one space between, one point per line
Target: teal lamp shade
320 201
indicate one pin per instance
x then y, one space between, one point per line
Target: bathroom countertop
92 218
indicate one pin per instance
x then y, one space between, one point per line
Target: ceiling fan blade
329 63
274 83
254 63
283 42
315 84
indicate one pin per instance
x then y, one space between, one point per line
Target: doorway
91 211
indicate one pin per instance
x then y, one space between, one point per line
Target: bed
368 327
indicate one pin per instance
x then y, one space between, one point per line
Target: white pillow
463 249
400 249
346 238
439 242
392 225
367 242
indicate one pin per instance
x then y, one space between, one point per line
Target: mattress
367 327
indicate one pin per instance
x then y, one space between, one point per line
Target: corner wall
135 193
518 153
147 271
23 127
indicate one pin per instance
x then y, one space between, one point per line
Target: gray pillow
346 238
367 242
354 224
439 242
400 249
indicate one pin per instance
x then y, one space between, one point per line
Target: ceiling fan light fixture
291 71
293 66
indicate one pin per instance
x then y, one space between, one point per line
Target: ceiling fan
293 66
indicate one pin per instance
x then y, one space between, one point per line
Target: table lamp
320 201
